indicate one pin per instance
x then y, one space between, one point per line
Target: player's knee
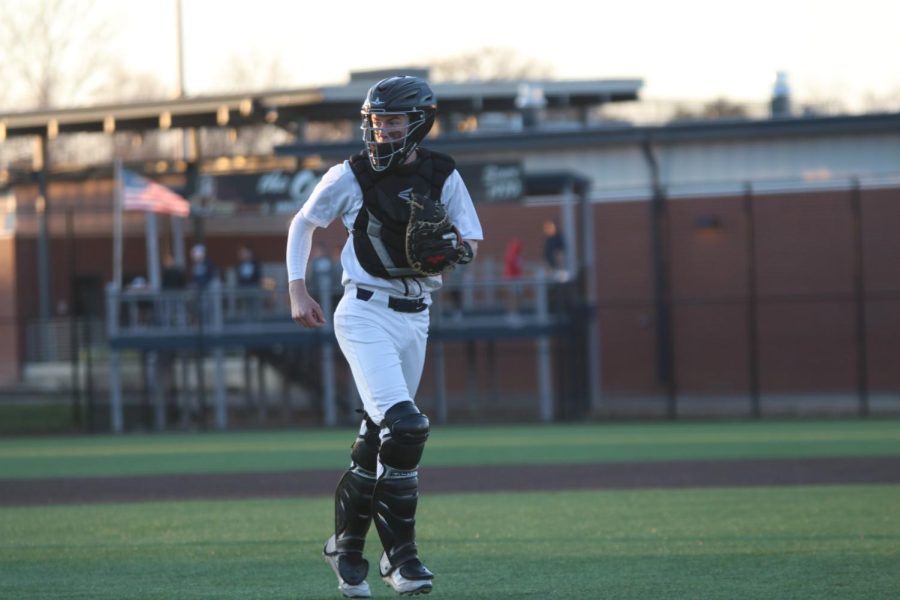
404 441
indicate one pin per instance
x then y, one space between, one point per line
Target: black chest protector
379 231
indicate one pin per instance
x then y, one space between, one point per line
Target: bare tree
55 52
887 101
489 64
720 108
253 72
247 72
124 85
98 148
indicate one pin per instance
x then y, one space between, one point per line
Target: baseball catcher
410 218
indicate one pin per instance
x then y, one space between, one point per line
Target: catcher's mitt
433 244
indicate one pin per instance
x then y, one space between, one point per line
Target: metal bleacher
208 321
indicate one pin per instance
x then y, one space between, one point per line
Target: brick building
730 257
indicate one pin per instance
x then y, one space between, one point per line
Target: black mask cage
392 151
405 95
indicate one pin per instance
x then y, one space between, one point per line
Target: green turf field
772 543
816 542
73 456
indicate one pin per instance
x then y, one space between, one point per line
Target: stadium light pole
177 223
41 163
179 43
189 154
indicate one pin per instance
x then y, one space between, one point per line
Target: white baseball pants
385 349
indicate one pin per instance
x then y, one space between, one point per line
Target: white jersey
338 194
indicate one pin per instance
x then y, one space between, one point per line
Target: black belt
404 305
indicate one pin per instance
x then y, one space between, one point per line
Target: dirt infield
675 474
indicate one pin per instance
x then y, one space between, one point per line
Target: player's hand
305 311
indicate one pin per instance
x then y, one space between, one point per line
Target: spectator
203 270
512 260
171 306
248 279
248 269
512 271
173 277
555 251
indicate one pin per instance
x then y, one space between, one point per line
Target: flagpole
116 414
117 227
152 234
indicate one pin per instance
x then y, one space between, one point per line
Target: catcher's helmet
403 95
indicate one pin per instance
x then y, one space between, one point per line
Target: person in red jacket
512 271
512 260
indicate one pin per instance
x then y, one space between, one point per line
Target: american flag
139 193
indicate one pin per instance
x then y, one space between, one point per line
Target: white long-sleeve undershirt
299 245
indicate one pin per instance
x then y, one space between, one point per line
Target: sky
685 49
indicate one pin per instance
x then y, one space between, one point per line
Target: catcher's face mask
390 137
397 114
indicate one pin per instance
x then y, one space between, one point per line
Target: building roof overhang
618 134
329 103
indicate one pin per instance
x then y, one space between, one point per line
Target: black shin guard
353 506
397 490
352 510
395 500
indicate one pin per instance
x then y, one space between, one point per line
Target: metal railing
207 321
